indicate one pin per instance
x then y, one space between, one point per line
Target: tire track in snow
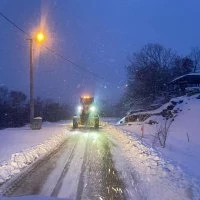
71 180
64 172
83 168
99 179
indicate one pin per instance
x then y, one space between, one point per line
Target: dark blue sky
96 34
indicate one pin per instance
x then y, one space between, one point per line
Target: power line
55 54
11 22
51 50
73 63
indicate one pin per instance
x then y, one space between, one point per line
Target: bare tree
195 57
156 54
162 132
148 73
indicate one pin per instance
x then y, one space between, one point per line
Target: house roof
193 78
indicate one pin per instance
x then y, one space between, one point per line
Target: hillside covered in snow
182 116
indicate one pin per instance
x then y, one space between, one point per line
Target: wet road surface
82 168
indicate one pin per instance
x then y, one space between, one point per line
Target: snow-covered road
102 164
82 168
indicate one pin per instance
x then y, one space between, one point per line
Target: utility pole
31 82
39 38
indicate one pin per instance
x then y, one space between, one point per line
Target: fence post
142 130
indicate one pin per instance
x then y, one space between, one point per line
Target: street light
38 38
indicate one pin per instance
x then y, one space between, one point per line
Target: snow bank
183 142
16 162
158 179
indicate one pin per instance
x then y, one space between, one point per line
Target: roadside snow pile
151 176
18 161
183 137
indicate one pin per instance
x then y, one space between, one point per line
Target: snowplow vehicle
87 115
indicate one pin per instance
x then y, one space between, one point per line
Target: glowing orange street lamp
39 38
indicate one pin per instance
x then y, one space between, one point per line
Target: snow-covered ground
19 147
183 142
147 170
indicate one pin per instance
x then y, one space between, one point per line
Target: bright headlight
79 108
93 109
